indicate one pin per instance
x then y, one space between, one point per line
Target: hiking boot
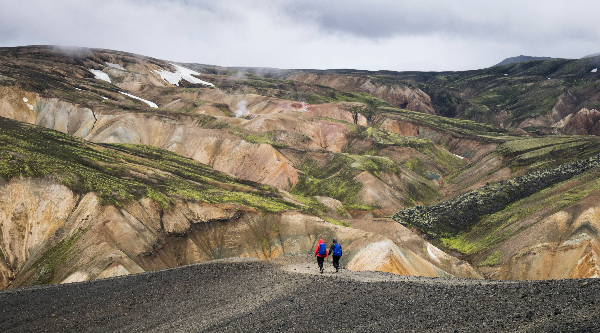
337 269
321 270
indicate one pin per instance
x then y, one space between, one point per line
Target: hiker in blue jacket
336 249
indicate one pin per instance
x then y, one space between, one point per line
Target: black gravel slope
263 297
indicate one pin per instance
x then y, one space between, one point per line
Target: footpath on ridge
289 294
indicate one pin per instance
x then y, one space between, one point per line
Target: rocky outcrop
559 247
583 122
402 97
17 104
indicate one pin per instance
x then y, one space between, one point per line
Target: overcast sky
425 35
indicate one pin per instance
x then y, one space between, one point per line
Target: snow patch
104 97
152 105
505 74
117 66
78 89
100 75
25 100
462 158
594 70
181 73
241 109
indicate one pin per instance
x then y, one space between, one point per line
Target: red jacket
317 249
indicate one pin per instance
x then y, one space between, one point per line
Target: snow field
100 75
181 73
152 105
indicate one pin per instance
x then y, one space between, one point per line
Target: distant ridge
520 58
591 55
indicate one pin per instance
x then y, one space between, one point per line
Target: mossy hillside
437 159
455 127
521 89
119 173
548 151
501 226
303 92
524 154
461 213
334 179
522 100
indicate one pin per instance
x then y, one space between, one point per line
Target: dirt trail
238 295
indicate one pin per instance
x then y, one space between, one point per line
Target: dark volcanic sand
289 295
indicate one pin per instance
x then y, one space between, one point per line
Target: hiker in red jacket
321 254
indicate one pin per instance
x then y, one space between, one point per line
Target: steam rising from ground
241 109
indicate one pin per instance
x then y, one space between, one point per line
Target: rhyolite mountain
113 163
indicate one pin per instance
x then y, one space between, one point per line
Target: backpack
322 249
337 250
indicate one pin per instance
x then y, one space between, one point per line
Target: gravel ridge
289 295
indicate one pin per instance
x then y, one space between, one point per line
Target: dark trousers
320 261
336 261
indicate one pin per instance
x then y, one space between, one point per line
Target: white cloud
395 35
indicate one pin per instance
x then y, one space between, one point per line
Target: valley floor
288 294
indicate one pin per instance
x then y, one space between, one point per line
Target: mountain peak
520 58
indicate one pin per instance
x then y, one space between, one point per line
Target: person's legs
336 262
320 262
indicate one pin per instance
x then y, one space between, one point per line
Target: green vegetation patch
118 173
426 147
341 223
268 138
492 259
46 266
334 179
554 150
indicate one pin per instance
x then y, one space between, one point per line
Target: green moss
267 138
374 164
312 202
359 207
341 223
334 179
341 211
47 265
416 165
492 259
225 109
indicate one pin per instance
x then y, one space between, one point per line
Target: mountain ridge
297 156
520 58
